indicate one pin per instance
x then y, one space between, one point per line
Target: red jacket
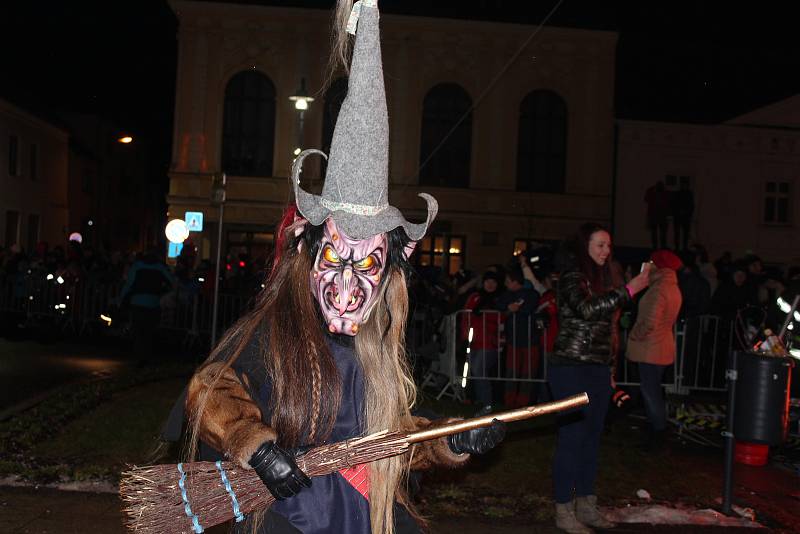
485 325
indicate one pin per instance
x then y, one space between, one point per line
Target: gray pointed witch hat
356 187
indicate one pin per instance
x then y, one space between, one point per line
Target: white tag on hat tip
352 22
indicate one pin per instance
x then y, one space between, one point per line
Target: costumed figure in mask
321 357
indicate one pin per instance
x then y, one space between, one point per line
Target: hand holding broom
189 497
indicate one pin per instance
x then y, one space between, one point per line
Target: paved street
28 369
39 511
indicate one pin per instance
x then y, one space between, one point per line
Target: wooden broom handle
519 414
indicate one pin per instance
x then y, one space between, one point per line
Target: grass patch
123 430
88 431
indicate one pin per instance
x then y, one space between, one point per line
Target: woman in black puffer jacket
590 295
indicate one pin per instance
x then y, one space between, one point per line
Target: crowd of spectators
720 288
519 289
76 263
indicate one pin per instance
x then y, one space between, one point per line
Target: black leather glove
278 471
478 440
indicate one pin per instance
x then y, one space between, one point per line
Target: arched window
334 97
445 160
248 126
542 151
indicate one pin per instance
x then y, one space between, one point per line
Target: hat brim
355 225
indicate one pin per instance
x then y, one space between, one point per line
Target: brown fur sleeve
435 452
231 420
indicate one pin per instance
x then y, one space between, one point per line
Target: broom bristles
154 501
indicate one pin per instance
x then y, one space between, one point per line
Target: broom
190 497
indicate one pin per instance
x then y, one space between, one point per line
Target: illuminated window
441 250
520 246
542 143
446 143
248 129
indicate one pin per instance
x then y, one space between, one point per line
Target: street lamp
301 98
125 139
301 101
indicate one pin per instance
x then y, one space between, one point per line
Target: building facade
515 142
743 175
113 198
33 179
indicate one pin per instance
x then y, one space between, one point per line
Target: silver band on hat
356 209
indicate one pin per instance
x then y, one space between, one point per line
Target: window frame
11 240
445 164
775 197
542 123
237 109
13 155
428 253
33 162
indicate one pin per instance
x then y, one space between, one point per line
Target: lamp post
301 101
217 197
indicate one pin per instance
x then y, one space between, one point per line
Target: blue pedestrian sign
194 221
174 250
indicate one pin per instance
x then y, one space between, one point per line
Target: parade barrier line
475 350
190 497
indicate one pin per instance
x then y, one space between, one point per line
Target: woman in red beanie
652 343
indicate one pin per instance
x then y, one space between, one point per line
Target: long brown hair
305 410
601 277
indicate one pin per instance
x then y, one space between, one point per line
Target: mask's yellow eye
366 263
330 255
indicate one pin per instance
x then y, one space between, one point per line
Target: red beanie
666 259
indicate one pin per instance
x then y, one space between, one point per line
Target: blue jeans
578 444
483 363
650 376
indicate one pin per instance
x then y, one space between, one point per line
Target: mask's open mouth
333 298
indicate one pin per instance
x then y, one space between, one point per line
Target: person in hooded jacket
484 320
651 342
590 296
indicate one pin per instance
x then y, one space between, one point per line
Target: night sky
695 61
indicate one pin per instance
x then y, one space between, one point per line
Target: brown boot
587 513
566 520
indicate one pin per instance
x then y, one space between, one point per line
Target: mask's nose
346 288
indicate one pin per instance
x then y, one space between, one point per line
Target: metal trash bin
762 398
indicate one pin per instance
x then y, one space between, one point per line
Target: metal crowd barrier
79 305
451 351
702 344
